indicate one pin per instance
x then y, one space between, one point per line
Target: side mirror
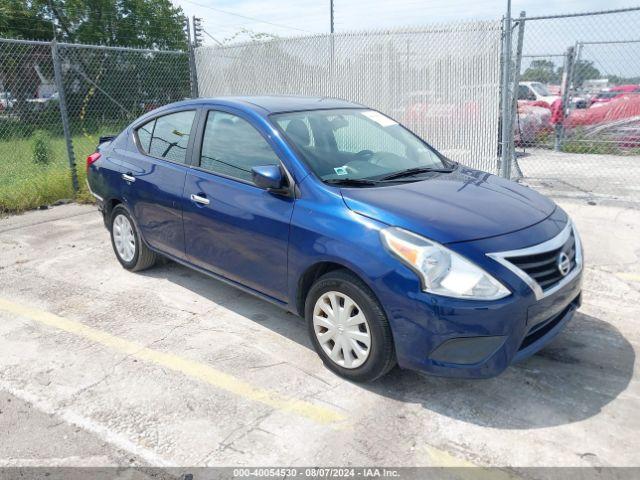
269 177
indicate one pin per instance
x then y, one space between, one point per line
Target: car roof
276 103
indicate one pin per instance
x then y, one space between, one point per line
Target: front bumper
481 342
474 339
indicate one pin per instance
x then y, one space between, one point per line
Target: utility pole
332 47
331 25
53 22
197 41
187 31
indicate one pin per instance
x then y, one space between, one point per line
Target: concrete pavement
169 367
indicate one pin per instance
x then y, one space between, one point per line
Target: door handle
128 178
199 199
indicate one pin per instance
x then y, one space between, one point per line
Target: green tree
584 70
26 20
133 23
541 71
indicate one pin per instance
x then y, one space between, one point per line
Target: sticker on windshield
379 118
341 171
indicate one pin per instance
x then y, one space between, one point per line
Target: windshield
540 89
354 144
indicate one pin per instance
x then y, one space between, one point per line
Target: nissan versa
390 251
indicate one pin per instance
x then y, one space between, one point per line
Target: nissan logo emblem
564 264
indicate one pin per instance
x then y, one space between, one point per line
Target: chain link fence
89 91
560 107
442 82
577 125
30 160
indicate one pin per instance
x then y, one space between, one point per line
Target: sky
300 17
223 19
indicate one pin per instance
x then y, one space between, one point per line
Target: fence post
576 61
64 114
507 126
193 74
565 87
516 81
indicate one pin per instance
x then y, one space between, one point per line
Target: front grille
543 267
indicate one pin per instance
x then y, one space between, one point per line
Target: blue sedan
392 253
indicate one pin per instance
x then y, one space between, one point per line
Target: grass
579 145
604 144
26 185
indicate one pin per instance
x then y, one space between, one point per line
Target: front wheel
130 251
348 328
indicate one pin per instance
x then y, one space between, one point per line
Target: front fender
332 233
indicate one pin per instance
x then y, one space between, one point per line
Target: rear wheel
130 251
348 327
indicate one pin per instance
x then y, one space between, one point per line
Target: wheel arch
112 203
311 274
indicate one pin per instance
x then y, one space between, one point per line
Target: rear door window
167 137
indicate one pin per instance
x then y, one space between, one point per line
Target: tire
134 257
371 362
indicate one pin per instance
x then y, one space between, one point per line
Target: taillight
92 158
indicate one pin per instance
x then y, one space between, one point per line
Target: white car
535 91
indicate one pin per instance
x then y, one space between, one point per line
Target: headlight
441 270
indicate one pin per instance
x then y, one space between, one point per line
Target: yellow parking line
463 469
633 277
182 365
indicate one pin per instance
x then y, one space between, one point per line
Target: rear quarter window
167 136
144 135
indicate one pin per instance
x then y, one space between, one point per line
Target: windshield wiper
350 181
415 171
397 176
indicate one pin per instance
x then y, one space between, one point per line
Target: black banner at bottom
400 473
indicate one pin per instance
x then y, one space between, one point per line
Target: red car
605 96
616 122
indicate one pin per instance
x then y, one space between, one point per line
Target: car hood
460 206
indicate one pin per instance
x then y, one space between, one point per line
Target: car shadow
573 378
586 367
